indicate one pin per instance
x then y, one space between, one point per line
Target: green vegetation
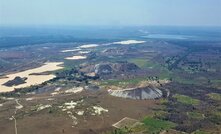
186 99
215 96
142 63
165 74
149 125
117 131
216 81
125 82
215 117
195 115
66 68
199 81
145 63
116 82
200 132
139 128
160 114
184 81
156 125
189 69
163 101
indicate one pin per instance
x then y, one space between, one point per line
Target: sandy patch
1 105
75 109
75 90
19 106
70 105
57 89
93 74
84 52
76 58
71 50
89 46
74 119
99 110
42 107
80 113
50 99
129 42
31 93
10 98
29 99
31 79
54 93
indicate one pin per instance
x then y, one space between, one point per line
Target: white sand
75 90
10 98
89 46
50 99
93 74
41 107
70 105
99 110
54 93
80 113
84 52
29 99
31 93
19 106
76 58
57 89
129 42
31 79
70 50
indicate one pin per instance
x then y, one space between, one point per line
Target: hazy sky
110 12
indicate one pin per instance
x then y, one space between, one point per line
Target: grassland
186 99
200 132
195 115
215 96
150 126
215 117
156 125
123 83
143 63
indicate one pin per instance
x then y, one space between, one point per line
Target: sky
111 12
